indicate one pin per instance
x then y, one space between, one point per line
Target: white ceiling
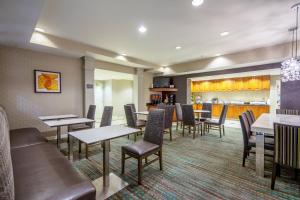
112 25
103 75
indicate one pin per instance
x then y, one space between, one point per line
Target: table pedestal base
115 185
260 154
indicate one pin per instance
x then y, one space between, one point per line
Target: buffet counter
234 110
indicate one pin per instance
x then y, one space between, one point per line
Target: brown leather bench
35 169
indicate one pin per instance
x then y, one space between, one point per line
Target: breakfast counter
234 110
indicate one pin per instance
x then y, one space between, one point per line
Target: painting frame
37 73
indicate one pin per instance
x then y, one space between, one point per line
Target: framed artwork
47 82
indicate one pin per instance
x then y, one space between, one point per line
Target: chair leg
223 129
139 171
135 135
170 134
160 160
79 142
128 137
189 129
278 171
194 132
183 130
274 172
244 157
123 162
146 160
220 130
177 126
86 151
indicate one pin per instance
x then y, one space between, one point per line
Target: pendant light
290 68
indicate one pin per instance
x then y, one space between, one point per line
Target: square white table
264 125
65 122
110 183
54 117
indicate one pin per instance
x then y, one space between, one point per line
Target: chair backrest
133 110
161 106
7 190
286 152
252 115
91 114
249 118
169 111
178 111
106 116
155 127
131 121
223 114
188 116
245 128
287 112
206 106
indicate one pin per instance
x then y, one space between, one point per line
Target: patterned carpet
205 168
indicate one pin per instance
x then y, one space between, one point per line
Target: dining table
142 112
58 123
109 183
264 126
56 117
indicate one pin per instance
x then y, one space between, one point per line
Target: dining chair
169 111
188 119
78 127
287 146
252 115
206 115
106 120
90 115
150 145
287 111
132 121
218 124
249 118
249 139
178 115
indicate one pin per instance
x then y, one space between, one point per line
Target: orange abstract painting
47 82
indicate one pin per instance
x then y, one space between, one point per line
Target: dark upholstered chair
249 118
248 138
252 115
106 120
188 120
151 144
169 111
286 151
90 115
205 116
178 115
132 120
287 112
218 124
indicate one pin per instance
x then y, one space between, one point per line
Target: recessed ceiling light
178 47
121 58
123 54
218 54
224 33
197 3
39 30
142 29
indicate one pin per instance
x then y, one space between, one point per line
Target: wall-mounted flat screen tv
161 82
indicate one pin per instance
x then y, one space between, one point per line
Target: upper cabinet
232 84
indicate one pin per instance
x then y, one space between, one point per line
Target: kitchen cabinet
232 84
235 110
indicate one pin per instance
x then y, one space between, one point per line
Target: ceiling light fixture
120 57
123 54
142 29
290 68
218 54
197 3
224 33
39 30
178 47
